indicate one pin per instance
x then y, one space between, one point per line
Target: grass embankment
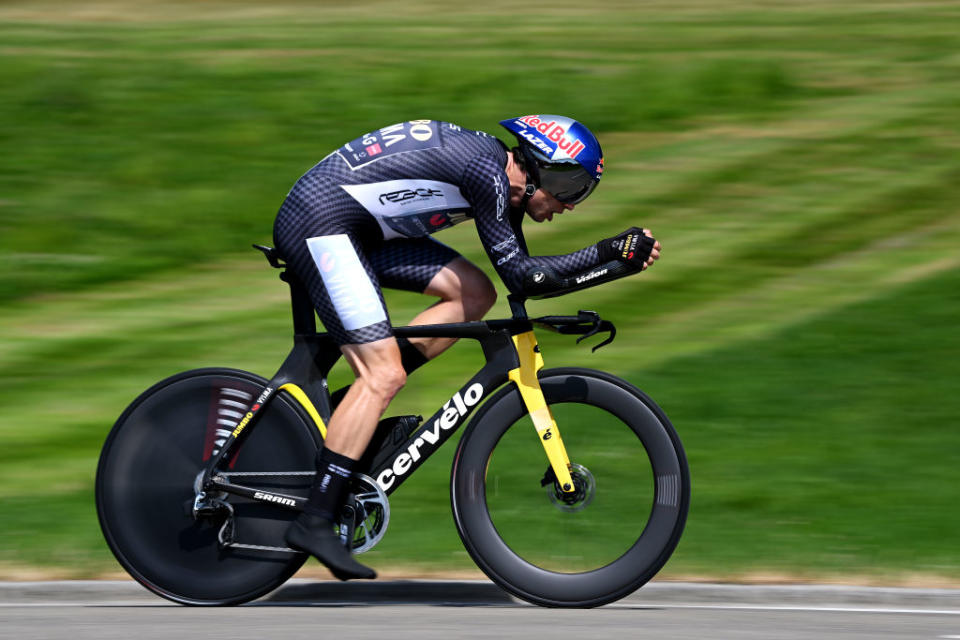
800 165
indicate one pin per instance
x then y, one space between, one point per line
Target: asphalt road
428 610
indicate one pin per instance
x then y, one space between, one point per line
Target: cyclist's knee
476 303
384 379
392 379
464 284
477 293
377 366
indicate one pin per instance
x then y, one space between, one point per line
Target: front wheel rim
668 484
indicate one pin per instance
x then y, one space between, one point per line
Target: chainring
372 513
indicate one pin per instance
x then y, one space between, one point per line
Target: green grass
828 446
798 161
588 537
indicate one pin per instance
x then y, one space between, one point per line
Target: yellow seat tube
525 376
301 397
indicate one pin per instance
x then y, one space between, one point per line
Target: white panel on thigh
353 295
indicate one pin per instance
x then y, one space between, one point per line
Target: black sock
410 357
330 484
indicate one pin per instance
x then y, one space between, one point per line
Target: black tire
145 487
593 552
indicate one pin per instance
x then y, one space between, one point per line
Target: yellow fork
526 378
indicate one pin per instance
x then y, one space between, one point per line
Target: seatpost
304 322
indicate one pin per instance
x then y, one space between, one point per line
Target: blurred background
799 161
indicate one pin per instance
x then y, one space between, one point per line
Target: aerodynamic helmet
560 155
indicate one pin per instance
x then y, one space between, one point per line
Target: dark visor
568 182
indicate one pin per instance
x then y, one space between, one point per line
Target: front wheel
621 523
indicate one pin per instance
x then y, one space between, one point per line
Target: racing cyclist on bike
361 219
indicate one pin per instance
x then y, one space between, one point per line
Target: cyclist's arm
486 187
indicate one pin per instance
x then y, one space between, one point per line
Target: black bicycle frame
305 370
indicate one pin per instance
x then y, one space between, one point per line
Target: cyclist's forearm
519 273
542 282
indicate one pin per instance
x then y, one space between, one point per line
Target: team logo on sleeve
414 135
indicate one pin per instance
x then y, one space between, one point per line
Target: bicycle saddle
272 255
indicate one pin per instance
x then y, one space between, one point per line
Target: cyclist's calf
379 376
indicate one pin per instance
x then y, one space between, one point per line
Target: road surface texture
473 609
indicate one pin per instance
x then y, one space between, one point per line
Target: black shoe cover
315 535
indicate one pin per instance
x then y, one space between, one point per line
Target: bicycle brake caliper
526 378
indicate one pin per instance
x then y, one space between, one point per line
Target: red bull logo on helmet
556 132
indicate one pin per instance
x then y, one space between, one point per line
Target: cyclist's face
543 206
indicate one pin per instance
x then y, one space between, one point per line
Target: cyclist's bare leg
466 294
379 376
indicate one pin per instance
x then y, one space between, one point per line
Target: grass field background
799 161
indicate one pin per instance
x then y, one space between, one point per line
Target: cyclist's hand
634 246
654 252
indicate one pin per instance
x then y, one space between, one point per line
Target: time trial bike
569 486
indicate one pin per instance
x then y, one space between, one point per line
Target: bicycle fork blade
525 377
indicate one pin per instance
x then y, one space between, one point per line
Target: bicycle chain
259 547
227 530
246 474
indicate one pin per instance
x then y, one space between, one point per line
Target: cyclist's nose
569 207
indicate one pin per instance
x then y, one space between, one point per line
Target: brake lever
602 325
586 323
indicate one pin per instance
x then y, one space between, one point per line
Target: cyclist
361 219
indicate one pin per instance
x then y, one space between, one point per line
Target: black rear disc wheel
145 487
597 544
